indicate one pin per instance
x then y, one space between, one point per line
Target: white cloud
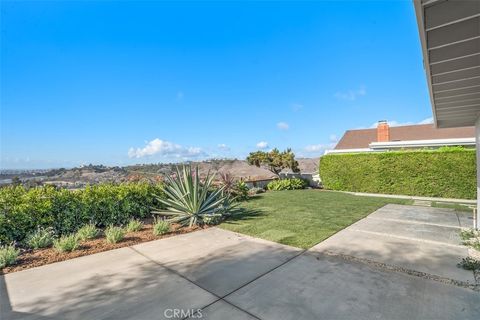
297 107
283 126
351 95
320 148
165 149
316 147
262 145
224 147
426 121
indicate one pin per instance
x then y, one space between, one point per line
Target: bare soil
39 257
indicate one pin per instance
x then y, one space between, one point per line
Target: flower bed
39 257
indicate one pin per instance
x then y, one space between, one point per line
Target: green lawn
457 206
302 218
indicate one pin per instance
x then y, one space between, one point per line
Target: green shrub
22 210
88 231
469 263
41 238
161 227
287 184
241 190
134 225
450 173
114 234
212 219
8 255
467 234
66 243
255 190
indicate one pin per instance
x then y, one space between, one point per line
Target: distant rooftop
362 138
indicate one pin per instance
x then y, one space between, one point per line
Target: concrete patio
398 263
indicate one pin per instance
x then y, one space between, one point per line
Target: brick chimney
383 131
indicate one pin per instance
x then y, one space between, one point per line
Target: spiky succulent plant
189 199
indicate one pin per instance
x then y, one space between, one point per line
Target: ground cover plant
41 238
34 258
134 225
161 227
471 238
66 243
469 263
301 218
88 231
8 255
114 234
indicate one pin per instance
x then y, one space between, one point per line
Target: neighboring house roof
362 138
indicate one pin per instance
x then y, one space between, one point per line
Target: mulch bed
36 258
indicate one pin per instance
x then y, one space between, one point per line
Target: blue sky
139 82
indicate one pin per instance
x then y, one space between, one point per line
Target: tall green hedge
448 173
23 210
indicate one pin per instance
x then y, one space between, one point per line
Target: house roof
361 138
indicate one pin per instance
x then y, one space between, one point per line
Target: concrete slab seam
416 222
408 238
219 298
391 268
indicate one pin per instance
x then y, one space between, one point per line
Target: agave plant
189 200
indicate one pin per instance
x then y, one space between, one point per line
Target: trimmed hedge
447 172
24 210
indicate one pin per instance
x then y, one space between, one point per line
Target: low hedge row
287 184
448 172
23 210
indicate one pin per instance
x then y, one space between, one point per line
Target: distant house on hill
386 138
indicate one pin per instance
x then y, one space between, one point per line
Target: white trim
349 150
385 146
423 143
419 12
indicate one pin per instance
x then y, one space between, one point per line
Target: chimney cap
382 121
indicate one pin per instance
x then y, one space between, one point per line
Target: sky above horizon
120 83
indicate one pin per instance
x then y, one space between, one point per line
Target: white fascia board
423 143
349 150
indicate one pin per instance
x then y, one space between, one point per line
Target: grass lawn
457 206
302 218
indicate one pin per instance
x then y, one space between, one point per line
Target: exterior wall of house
258 183
477 134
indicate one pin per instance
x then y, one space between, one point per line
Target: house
450 40
420 136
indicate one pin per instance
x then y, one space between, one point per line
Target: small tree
274 161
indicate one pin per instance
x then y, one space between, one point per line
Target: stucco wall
477 135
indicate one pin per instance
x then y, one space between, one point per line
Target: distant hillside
94 174
238 168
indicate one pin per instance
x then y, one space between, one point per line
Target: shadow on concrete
142 291
6 310
225 270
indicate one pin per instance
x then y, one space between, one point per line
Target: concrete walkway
395 264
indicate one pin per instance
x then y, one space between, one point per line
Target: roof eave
419 12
